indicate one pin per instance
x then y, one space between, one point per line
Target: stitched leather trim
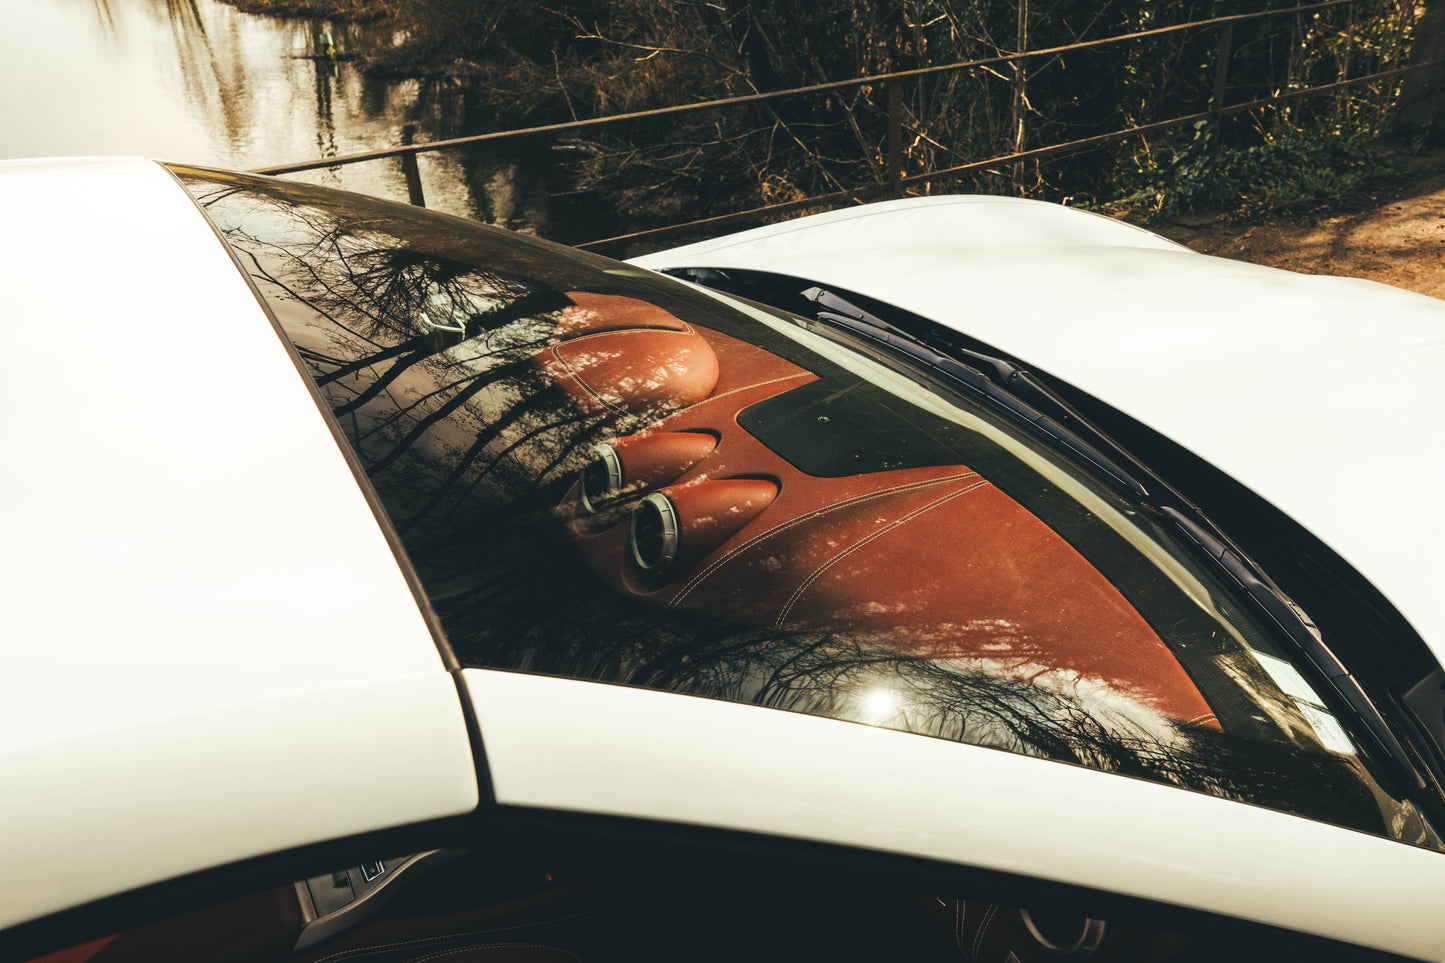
732 391
959 915
577 375
903 520
699 578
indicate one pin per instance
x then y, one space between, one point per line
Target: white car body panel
211 652
207 640
564 744
1318 393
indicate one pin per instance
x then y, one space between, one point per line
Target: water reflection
199 81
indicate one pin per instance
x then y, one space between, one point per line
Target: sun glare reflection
879 706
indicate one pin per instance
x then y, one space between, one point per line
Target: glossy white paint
563 744
1319 393
209 651
174 794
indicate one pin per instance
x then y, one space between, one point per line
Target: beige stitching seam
798 593
711 398
706 573
577 375
960 915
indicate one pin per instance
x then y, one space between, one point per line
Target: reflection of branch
498 556
361 364
421 352
539 480
578 418
478 383
484 437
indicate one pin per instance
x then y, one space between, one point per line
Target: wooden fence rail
894 181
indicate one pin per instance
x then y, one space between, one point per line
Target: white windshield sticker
1290 682
1328 729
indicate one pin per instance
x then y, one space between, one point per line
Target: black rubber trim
980 384
1297 627
486 792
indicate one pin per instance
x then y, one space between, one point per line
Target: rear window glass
604 474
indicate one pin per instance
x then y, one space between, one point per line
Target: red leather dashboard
934 562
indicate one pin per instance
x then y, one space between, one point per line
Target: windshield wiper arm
1023 393
1008 386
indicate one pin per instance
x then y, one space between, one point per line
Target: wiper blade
1008 386
1300 629
1024 394
842 309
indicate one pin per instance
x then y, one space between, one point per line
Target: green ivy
1295 171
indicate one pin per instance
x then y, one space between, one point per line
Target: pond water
199 81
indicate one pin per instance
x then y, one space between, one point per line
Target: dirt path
1396 236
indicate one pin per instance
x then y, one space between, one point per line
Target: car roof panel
191 564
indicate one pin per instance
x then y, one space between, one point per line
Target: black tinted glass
604 474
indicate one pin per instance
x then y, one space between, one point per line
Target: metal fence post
895 138
1016 115
1344 98
413 179
1221 74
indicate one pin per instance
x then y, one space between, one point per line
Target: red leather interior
616 355
934 562
713 510
593 313
658 457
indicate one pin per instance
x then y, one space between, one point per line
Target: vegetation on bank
1290 173
359 11
527 64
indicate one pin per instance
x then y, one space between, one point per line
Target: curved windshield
604 474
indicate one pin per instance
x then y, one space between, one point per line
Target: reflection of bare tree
325 124
425 346
499 588
425 357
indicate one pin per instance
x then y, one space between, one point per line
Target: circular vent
655 534
601 478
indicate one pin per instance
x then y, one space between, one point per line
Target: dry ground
1396 235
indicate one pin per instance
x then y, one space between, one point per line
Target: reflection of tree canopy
495 597
422 341
426 359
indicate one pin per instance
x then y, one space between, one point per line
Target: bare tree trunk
1019 101
1421 103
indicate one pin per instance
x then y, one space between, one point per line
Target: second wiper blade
1023 394
1301 630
